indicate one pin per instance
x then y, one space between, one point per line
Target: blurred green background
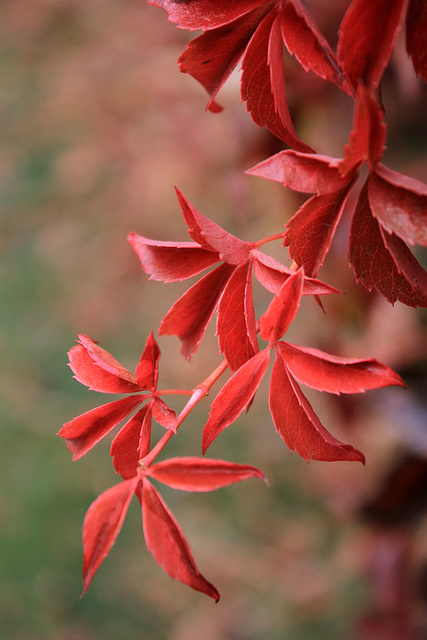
97 127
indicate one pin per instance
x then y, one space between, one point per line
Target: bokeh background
97 125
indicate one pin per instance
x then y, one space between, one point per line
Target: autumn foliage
389 212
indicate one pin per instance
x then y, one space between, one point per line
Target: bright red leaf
283 308
83 433
147 371
132 443
102 525
297 423
324 372
235 396
168 545
201 474
416 29
382 261
367 35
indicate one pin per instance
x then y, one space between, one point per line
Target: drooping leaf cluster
389 214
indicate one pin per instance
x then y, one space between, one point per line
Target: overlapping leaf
255 31
96 368
393 212
228 286
292 414
416 29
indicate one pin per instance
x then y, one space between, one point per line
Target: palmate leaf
381 260
201 474
366 40
102 525
167 543
324 372
298 425
416 28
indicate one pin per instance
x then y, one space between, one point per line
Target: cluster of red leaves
390 212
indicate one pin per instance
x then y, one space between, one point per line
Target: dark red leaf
235 396
303 39
171 261
82 433
167 543
147 370
382 261
283 308
191 314
310 231
205 14
272 275
236 325
132 443
102 525
399 203
201 474
297 423
98 370
163 414
256 86
333 374
366 142
416 29
305 172
211 57
211 236
367 36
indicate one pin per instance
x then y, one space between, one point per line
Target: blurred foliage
98 125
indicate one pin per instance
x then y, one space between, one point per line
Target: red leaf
102 525
272 275
416 29
256 86
333 374
303 39
211 236
168 545
132 443
297 423
310 231
367 36
211 57
163 414
282 309
98 370
82 433
191 314
236 325
305 172
205 14
366 141
171 261
147 370
382 261
201 474
235 396
399 203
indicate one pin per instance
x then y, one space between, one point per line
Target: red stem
199 392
